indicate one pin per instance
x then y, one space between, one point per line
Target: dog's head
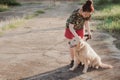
75 42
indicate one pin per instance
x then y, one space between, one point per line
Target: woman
76 22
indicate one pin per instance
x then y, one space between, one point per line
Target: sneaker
71 64
80 65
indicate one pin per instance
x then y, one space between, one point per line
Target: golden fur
86 55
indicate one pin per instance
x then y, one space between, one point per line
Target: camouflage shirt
76 19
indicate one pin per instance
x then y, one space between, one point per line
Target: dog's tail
103 65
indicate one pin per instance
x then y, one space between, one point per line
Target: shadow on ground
59 74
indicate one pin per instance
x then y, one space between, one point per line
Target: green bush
9 2
3 8
101 2
111 26
110 15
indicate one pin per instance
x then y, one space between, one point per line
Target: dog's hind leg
85 68
87 62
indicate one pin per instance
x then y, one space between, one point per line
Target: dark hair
88 6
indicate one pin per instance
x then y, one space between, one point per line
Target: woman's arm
71 27
87 26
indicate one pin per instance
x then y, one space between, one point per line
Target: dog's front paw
97 67
71 69
84 71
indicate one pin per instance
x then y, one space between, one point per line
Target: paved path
39 51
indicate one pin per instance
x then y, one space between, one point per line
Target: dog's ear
82 45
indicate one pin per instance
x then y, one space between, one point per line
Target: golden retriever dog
86 55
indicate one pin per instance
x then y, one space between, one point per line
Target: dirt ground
38 50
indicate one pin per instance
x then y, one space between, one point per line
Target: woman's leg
72 52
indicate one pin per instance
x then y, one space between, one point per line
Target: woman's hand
88 29
90 35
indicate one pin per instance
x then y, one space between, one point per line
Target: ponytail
88 6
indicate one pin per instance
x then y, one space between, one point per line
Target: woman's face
86 14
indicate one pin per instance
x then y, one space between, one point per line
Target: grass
36 13
111 11
12 24
39 12
5 4
81 2
3 8
30 3
9 2
110 26
110 16
16 22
